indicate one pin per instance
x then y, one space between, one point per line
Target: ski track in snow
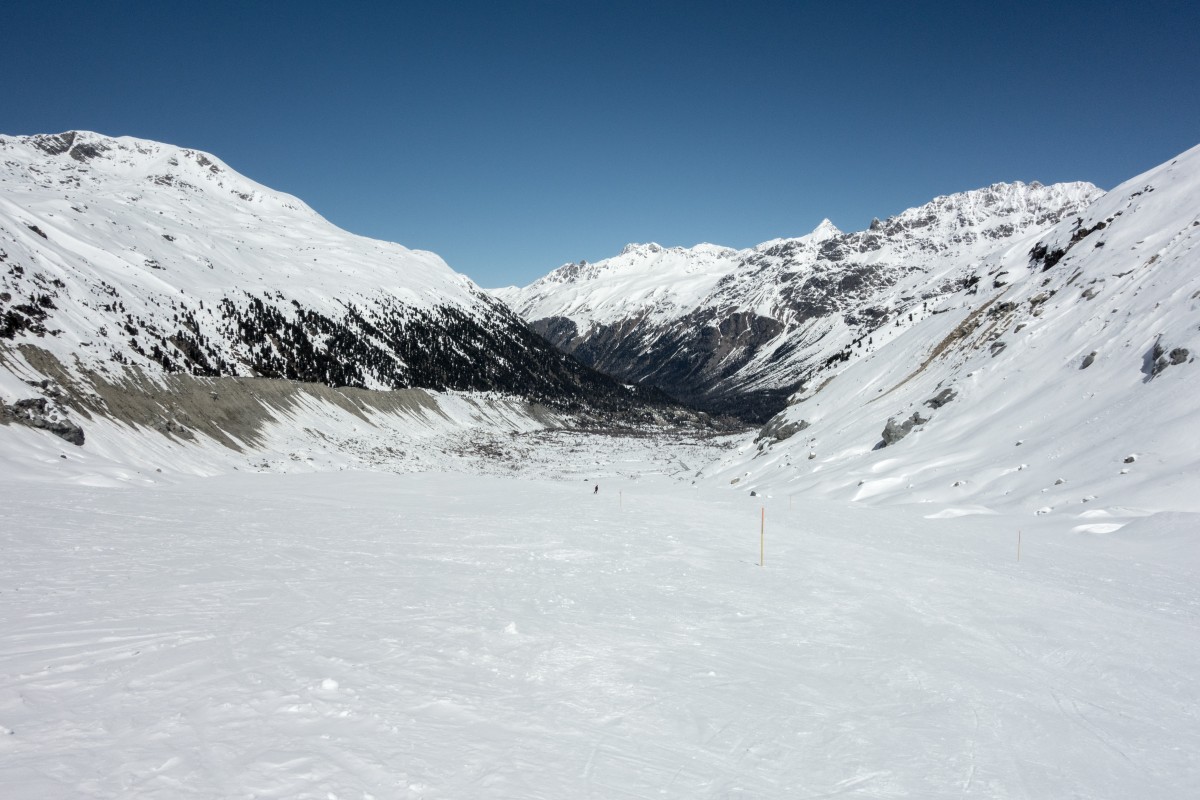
364 634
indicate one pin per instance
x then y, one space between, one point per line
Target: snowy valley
339 525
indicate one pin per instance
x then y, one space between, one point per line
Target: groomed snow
364 634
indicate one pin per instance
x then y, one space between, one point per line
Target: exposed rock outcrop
941 398
38 412
1159 358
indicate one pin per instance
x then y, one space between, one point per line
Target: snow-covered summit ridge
650 278
656 280
826 230
88 158
188 208
1029 204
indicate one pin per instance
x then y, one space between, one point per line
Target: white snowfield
364 634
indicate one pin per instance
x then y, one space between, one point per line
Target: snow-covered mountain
1060 377
740 330
123 260
962 560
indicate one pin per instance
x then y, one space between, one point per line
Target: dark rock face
559 330
1088 360
59 143
690 360
40 413
1042 255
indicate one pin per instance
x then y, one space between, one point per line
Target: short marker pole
762 533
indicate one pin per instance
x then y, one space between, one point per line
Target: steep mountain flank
124 259
739 331
1060 378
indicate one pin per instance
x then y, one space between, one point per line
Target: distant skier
596 490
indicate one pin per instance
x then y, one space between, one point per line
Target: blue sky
511 137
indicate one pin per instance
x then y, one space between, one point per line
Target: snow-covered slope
739 330
129 231
123 260
1061 380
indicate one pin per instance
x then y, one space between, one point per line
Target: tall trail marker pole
762 533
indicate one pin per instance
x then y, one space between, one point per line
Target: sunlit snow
439 635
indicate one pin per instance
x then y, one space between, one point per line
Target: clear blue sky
511 137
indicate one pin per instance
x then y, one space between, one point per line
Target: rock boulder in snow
778 428
895 431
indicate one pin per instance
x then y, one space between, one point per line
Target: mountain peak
826 230
636 247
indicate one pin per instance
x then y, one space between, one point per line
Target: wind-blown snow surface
360 634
